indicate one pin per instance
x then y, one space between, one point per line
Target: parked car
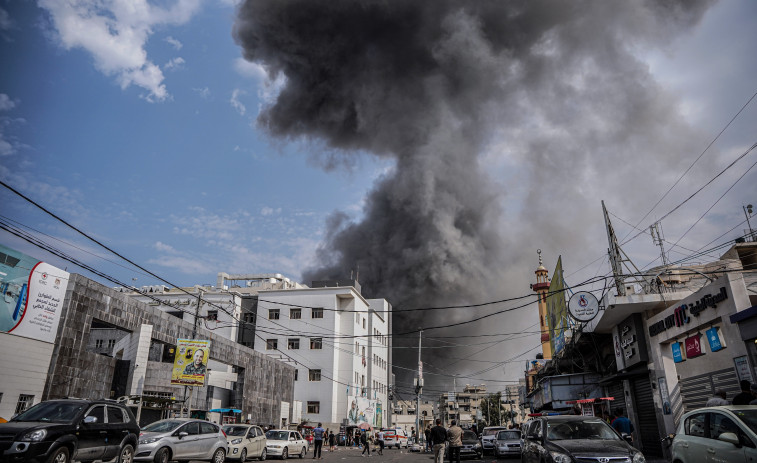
569 438
507 443
488 435
245 441
181 439
726 433
63 430
471 446
283 443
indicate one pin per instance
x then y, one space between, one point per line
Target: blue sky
135 121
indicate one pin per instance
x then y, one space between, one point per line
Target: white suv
489 435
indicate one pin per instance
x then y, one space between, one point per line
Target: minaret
541 287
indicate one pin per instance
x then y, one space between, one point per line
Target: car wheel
285 454
303 452
126 455
263 455
162 456
219 456
243 456
60 456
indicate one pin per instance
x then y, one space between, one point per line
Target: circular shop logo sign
583 306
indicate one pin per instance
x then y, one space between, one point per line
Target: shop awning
589 401
225 410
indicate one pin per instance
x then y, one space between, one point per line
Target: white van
395 437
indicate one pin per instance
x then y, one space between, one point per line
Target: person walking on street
380 437
438 437
332 441
745 396
718 399
427 435
366 446
318 434
622 424
455 438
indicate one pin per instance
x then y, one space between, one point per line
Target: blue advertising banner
714 338
677 354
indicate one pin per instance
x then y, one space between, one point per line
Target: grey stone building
139 362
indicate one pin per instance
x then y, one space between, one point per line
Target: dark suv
59 431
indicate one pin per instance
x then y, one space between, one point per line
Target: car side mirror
90 419
183 434
730 438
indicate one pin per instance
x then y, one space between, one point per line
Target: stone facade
74 371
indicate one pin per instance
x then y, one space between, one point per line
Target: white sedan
283 443
245 442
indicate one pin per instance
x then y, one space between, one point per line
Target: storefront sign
628 341
680 315
583 306
677 352
742 368
713 337
666 409
693 346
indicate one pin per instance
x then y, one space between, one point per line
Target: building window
316 343
213 315
357 347
314 375
293 343
314 407
99 344
364 323
111 343
24 402
317 313
272 344
295 314
296 374
176 313
248 317
273 314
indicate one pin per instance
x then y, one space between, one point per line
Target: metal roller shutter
644 408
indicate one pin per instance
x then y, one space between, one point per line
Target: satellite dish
583 306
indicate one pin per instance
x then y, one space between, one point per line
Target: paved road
353 454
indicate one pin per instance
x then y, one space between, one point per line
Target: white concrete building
340 343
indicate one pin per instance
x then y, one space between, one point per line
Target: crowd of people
747 396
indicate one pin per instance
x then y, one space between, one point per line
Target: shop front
696 349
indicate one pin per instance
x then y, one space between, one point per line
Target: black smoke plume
433 84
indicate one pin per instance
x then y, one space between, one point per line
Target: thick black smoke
429 84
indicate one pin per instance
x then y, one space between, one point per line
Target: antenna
618 258
657 238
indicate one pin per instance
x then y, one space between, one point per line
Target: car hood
508 441
470 441
591 447
17 427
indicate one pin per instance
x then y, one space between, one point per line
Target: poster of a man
191 362
197 367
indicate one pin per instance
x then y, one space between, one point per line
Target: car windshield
749 417
568 430
277 435
235 430
54 412
162 426
490 432
469 435
508 435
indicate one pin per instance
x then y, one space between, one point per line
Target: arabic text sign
190 363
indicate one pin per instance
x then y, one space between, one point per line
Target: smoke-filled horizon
441 87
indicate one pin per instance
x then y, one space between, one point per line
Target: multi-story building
405 414
340 344
462 407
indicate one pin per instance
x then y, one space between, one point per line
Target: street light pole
748 213
418 389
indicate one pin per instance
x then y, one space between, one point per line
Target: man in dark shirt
745 396
438 437
621 423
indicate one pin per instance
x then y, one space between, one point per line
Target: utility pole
418 390
748 213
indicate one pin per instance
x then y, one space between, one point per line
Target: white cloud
266 211
115 32
174 42
162 247
203 92
6 104
175 63
235 103
5 20
248 69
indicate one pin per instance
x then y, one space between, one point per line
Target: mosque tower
541 287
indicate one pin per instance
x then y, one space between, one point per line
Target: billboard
191 362
362 410
32 296
557 310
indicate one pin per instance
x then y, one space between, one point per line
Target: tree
490 406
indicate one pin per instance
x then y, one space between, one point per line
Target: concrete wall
24 363
74 371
